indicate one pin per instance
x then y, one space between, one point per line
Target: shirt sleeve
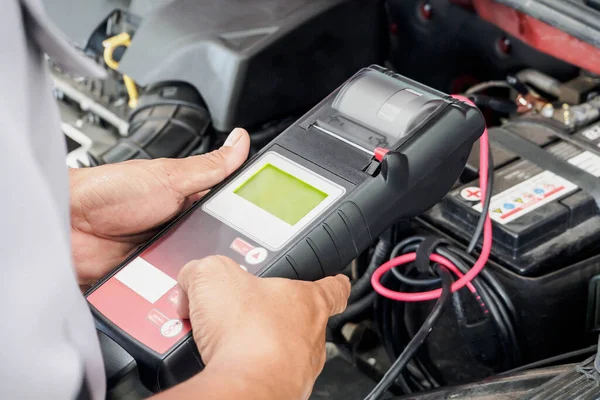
48 341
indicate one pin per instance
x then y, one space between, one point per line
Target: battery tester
379 149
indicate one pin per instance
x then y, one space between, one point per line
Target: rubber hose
352 312
380 255
170 121
541 81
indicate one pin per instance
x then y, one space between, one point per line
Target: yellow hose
110 44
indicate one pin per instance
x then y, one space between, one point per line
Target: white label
537 191
145 279
588 162
592 133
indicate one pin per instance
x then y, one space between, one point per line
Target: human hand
267 335
115 208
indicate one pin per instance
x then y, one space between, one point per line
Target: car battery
541 220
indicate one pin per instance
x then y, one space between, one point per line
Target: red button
174 297
157 318
241 246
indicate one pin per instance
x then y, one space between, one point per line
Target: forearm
223 380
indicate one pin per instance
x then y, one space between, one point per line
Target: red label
241 246
157 325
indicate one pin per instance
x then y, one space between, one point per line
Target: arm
261 338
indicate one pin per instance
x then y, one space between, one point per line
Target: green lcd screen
280 194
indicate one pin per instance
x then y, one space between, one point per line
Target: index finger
335 290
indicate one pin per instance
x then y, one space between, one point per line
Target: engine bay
182 74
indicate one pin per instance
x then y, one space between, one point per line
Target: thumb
195 174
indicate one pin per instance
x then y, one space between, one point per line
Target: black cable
352 312
490 279
395 370
486 205
388 319
388 316
398 250
491 292
504 106
419 282
429 378
498 311
488 85
381 254
554 360
383 321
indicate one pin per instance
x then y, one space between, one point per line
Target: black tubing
352 312
380 255
413 346
171 121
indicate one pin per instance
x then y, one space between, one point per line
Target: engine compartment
203 68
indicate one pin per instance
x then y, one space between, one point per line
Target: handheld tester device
379 149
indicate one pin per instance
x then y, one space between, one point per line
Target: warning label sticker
527 196
537 191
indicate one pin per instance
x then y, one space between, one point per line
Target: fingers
196 274
183 303
335 290
192 175
331 292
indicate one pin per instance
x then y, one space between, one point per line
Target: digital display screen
280 194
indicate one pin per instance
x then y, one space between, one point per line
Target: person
64 229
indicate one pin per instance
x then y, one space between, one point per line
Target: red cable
464 280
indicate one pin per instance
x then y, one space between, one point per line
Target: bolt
348 331
548 110
426 10
566 114
504 45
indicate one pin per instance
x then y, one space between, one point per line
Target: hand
115 208
266 334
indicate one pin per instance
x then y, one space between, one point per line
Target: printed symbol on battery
549 187
519 200
528 196
509 206
538 191
471 193
497 211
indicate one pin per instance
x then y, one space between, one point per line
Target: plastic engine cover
250 61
